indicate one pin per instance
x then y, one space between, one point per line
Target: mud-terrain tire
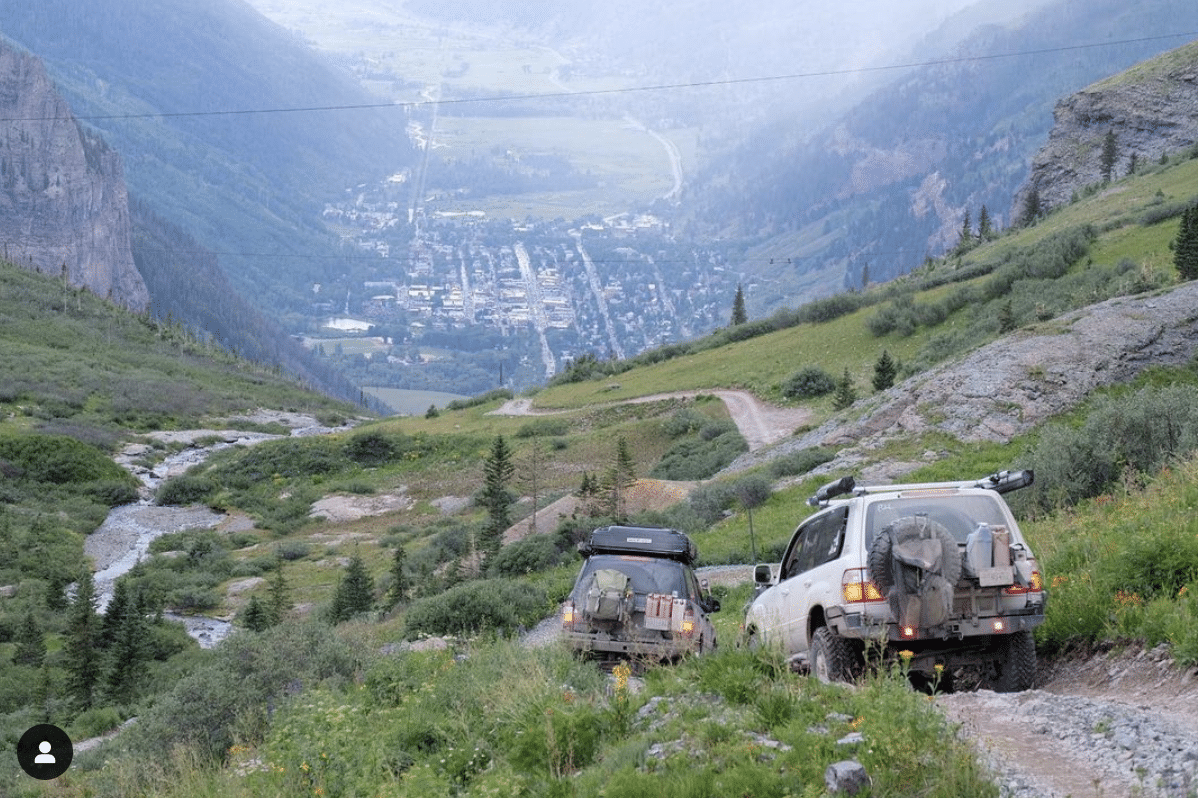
1016 662
833 658
881 567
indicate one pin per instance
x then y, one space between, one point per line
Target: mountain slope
890 182
196 97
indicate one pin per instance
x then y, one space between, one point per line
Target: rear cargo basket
646 541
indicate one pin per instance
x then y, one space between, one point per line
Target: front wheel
833 658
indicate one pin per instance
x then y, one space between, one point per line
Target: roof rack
1000 482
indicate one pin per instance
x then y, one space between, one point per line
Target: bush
1137 434
800 462
544 428
185 489
489 605
715 447
809 383
535 553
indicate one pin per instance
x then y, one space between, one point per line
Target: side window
818 541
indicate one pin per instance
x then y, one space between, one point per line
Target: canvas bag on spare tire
915 561
607 596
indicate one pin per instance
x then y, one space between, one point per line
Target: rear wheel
832 658
1016 662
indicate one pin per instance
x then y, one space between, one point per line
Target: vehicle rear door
809 570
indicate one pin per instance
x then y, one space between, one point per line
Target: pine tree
495 497
1032 208
354 594
255 616
985 225
278 603
114 612
1110 153
1185 247
128 654
31 643
619 477
401 583
1006 317
81 643
885 372
845 394
739 314
965 242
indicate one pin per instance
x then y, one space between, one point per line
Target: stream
124 538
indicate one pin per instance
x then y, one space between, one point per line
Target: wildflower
1185 590
907 655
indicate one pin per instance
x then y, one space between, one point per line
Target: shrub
535 553
489 605
544 428
185 489
800 462
372 448
809 383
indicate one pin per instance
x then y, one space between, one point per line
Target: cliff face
1152 110
63 201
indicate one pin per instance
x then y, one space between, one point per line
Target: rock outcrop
64 207
1151 109
1011 385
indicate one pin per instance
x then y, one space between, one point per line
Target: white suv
937 571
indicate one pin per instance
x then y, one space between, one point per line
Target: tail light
688 622
568 616
1036 585
857 586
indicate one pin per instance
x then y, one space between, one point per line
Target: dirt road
761 424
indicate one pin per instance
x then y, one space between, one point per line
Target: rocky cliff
63 202
1152 109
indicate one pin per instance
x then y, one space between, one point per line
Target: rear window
960 515
647 575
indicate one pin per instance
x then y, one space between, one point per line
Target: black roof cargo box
644 540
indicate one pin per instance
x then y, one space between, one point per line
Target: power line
623 90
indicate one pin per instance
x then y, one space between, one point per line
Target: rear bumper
859 626
602 643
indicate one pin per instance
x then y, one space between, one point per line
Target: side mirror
763 575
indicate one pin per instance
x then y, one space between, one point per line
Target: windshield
647 575
960 515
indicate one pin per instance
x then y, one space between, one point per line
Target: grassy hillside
283 710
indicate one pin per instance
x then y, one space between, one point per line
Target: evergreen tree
401 583
278 603
1032 208
495 497
31 643
619 477
1110 153
739 314
128 654
965 242
81 643
114 612
845 394
985 225
355 592
1185 247
1006 317
255 616
885 372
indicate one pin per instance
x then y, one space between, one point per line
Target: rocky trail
1101 725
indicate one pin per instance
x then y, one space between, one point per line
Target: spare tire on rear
920 558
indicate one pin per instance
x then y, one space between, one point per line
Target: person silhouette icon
45 757
44 752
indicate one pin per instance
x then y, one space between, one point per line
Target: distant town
453 285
